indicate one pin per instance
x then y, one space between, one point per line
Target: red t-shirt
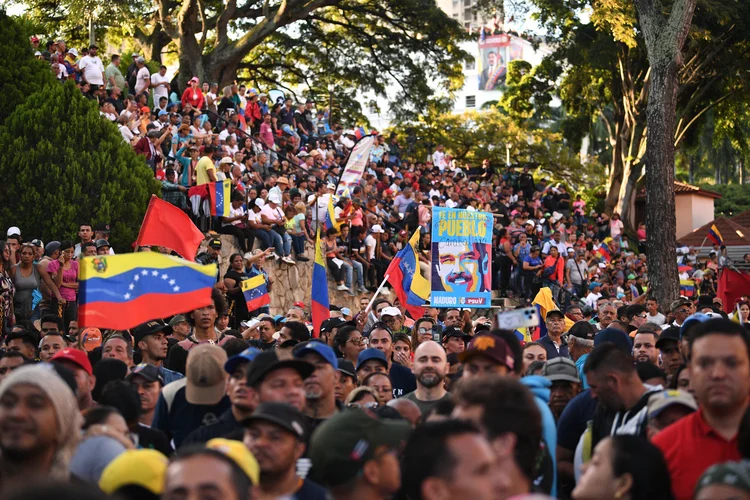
690 446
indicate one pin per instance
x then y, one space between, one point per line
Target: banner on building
461 258
355 165
495 52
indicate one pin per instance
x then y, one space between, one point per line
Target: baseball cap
692 320
371 353
341 446
617 337
215 243
37 243
176 320
452 331
140 59
273 198
238 453
671 333
734 474
347 368
555 312
149 372
331 323
148 328
51 247
205 375
75 356
594 285
226 159
583 330
322 350
102 228
676 304
144 467
91 338
492 346
376 229
283 415
560 369
246 356
390 311
194 79
13 230
268 361
660 401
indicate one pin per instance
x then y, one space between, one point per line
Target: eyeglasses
642 316
371 405
359 340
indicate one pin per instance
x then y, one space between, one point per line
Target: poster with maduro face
461 258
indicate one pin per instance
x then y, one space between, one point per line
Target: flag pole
375 295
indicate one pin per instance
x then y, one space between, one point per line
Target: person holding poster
461 258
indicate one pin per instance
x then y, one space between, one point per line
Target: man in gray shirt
430 369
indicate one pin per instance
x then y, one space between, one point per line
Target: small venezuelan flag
412 289
255 292
687 288
123 291
330 218
360 133
603 250
715 235
320 305
220 195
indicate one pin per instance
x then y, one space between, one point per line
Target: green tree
21 74
362 44
63 164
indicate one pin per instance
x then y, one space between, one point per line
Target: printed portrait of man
461 267
493 74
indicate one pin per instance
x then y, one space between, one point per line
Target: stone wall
291 283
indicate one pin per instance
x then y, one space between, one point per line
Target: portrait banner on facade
461 258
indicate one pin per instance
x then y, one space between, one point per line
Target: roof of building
732 233
743 218
681 188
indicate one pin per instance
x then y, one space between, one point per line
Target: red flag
166 225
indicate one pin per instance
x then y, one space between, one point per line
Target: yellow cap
145 468
239 454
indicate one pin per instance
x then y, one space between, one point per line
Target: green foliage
476 136
20 74
735 198
63 164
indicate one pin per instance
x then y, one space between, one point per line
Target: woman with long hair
64 272
7 288
625 468
348 343
421 331
27 277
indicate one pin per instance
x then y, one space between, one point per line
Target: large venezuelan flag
220 194
320 307
715 235
543 303
412 289
123 291
255 292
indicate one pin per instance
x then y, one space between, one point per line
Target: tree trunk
628 191
741 166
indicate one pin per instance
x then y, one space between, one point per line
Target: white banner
355 166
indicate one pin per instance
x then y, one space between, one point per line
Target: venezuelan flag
255 292
412 289
715 235
360 133
220 195
122 291
330 218
320 305
603 250
687 288
543 303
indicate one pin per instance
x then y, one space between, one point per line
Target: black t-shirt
287 116
402 380
153 439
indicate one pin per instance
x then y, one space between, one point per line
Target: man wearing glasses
637 316
680 311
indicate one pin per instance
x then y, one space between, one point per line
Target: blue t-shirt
310 491
533 261
572 422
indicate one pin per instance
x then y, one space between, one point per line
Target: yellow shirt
201 170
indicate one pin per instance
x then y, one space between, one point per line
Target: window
471 101
455 15
467 14
467 3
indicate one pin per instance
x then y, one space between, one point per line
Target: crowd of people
613 398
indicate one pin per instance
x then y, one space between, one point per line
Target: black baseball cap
331 323
148 328
149 372
452 331
347 368
102 228
582 330
555 312
671 333
342 445
214 243
268 361
283 415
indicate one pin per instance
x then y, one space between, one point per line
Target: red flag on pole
166 225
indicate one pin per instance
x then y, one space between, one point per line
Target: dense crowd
613 398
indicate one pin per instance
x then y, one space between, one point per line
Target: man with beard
239 396
430 368
644 344
152 343
276 434
320 386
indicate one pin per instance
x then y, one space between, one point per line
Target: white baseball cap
377 229
390 311
274 198
14 230
259 202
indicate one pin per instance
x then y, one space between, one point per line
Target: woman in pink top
64 272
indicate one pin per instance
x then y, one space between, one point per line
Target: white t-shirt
126 133
615 228
370 245
93 70
161 90
224 134
438 159
142 80
272 213
659 319
235 212
591 299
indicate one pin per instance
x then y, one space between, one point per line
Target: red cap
301 305
75 356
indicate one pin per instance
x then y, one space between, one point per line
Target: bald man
407 409
430 369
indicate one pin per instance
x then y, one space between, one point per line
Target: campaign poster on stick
355 166
461 258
